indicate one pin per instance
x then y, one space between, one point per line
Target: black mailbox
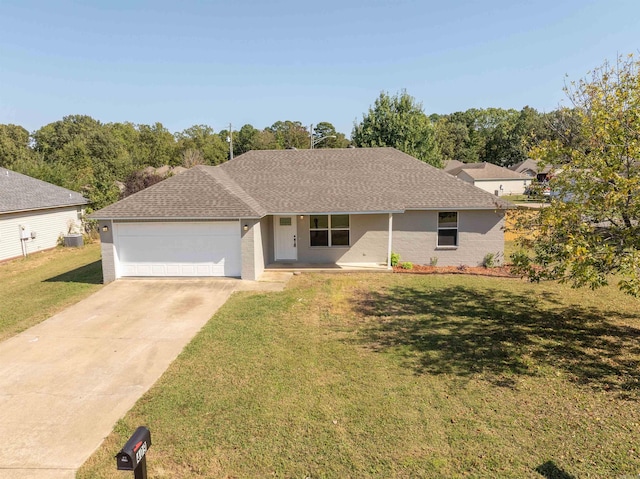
134 451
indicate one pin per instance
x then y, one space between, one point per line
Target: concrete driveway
65 382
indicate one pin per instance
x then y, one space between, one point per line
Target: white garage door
178 249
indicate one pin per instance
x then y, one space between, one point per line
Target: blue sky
213 62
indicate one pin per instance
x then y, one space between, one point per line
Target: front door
286 238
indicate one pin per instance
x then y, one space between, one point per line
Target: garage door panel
129 270
204 270
174 270
158 270
194 249
179 249
228 228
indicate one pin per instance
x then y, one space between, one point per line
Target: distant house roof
164 170
257 183
486 171
452 164
176 170
20 192
529 165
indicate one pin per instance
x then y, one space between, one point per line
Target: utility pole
230 140
311 134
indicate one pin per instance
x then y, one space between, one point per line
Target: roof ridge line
233 188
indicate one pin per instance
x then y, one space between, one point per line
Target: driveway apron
65 382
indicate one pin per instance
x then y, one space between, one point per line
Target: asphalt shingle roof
487 171
451 164
20 192
304 181
201 192
528 164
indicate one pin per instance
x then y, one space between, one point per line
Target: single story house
492 178
352 206
34 214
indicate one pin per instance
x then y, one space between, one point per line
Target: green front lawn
384 375
525 198
516 198
34 288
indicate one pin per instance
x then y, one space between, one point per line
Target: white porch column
390 240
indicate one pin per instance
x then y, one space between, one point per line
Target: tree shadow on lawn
549 470
500 334
89 274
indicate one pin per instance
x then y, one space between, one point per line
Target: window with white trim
329 230
448 228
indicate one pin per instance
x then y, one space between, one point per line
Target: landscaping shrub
489 260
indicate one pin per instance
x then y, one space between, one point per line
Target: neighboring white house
34 214
491 178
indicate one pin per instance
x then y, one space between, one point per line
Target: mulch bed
498 271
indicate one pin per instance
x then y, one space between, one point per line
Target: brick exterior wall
266 229
479 232
108 252
252 250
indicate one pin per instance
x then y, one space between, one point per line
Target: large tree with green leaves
590 233
325 136
83 155
246 139
495 135
398 121
510 138
201 138
158 145
14 145
290 134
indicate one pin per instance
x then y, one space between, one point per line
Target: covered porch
327 241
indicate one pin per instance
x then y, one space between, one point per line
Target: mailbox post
133 456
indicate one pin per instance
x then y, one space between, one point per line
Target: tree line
83 154
86 155
495 135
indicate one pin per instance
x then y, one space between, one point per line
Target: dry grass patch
361 375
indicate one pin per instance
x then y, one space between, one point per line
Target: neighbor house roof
529 164
487 171
353 180
20 192
451 164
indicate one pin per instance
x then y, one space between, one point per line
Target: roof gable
529 165
452 164
201 192
20 192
